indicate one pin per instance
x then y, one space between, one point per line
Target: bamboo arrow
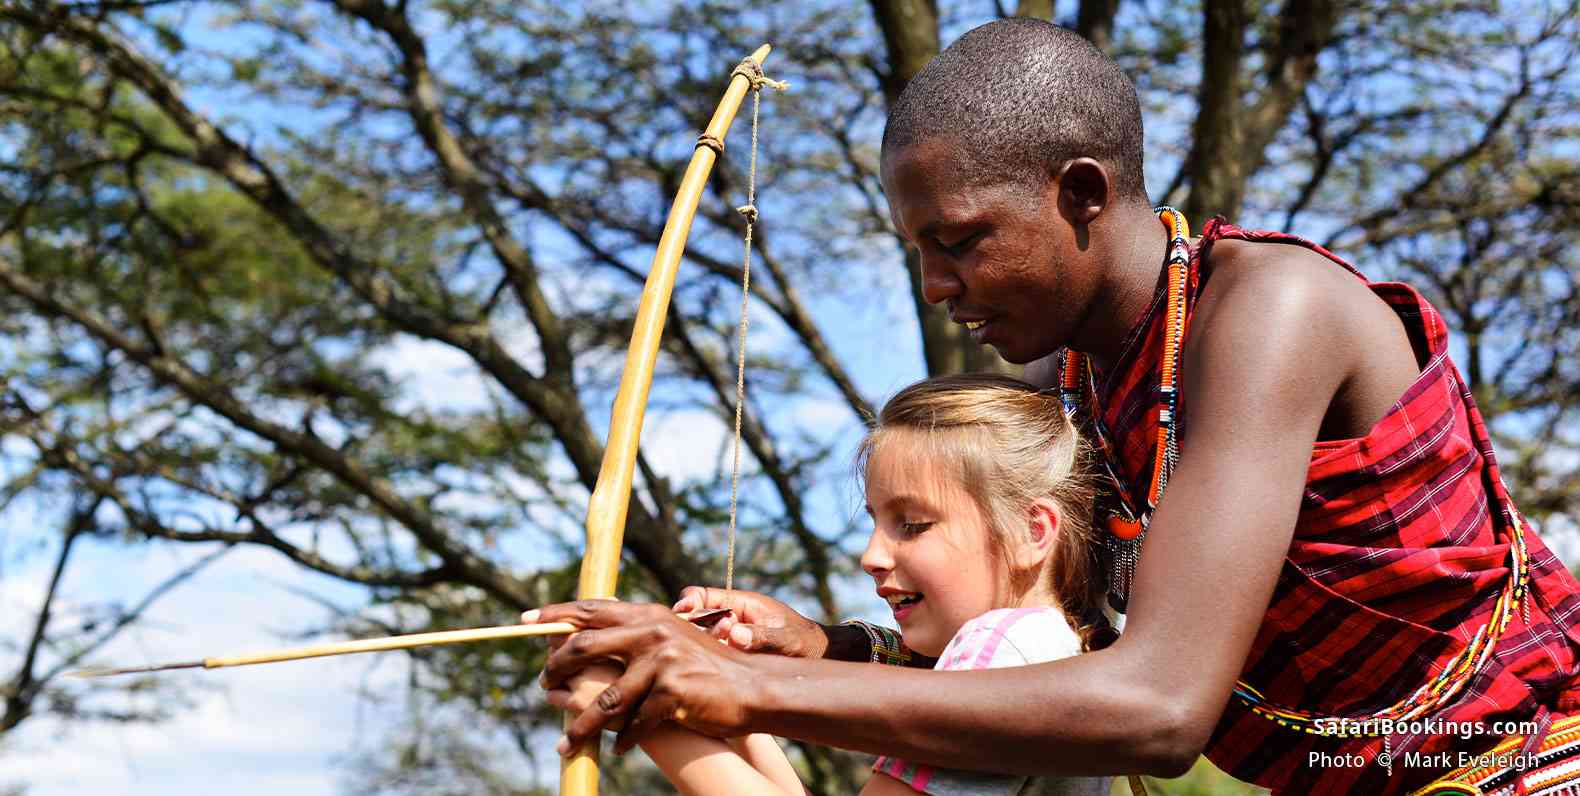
408 641
349 647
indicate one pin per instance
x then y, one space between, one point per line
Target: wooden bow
612 495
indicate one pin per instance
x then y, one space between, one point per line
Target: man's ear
1042 534
1083 186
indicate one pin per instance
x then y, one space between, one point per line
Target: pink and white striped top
998 638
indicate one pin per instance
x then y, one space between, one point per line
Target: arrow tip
102 671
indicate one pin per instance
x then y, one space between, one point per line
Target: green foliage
1203 779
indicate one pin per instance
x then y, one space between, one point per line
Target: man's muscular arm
1265 358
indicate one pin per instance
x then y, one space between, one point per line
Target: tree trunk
1095 21
1217 167
1232 133
910 36
1041 9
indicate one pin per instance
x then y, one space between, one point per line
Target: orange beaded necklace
1126 525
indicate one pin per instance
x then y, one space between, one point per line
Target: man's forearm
1069 717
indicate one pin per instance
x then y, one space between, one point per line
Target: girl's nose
877 559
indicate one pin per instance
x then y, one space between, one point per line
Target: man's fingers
587 725
721 628
593 613
587 647
574 702
702 598
692 598
612 706
769 638
742 637
577 693
654 710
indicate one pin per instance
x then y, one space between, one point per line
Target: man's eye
960 246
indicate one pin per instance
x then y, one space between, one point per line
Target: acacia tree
227 224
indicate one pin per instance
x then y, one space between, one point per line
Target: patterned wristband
885 646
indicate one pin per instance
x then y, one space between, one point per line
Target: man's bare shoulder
1290 271
1332 318
1270 287
1278 284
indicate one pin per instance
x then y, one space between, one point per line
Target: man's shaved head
1022 97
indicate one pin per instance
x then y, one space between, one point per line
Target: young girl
981 500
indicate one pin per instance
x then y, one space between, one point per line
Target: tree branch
175 373
424 105
557 404
23 687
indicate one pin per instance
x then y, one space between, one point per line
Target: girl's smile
901 602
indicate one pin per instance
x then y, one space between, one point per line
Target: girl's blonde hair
1010 445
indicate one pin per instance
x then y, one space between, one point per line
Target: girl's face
931 553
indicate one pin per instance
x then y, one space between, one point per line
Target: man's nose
939 282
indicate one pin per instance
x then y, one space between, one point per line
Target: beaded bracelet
884 644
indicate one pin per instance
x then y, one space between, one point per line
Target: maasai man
1335 594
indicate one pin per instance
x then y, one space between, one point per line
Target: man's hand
673 671
757 623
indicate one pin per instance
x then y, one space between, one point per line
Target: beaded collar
1127 522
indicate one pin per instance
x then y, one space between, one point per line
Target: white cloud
432 375
687 444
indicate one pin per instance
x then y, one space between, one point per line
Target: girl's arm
700 765
697 764
763 753
882 784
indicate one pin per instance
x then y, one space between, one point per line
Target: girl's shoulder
1010 637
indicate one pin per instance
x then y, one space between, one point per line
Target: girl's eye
914 528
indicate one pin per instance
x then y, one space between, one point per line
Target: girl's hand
576 694
758 623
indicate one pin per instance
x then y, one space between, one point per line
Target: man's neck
1128 284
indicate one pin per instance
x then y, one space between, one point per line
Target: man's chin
1019 355
1014 348
1014 357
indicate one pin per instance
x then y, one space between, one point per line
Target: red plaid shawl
1396 562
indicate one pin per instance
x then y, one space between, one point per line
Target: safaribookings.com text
1466 730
